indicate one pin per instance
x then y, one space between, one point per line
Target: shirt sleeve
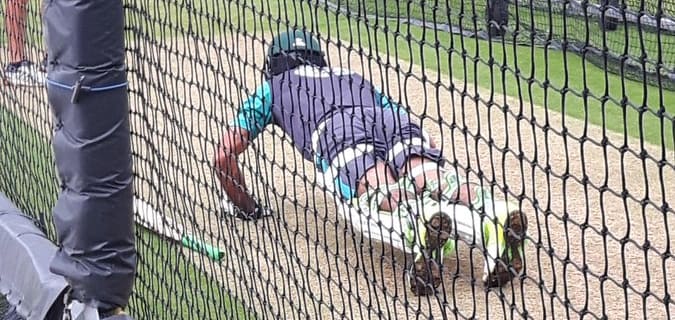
255 113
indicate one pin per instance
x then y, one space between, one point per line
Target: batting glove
231 210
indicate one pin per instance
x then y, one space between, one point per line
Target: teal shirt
256 112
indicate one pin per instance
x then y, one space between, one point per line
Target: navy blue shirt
299 99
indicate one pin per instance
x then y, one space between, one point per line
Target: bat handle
212 252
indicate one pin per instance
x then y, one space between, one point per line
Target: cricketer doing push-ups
387 176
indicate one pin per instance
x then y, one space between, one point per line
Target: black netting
562 107
629 38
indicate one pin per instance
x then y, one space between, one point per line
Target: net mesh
553 110
640 33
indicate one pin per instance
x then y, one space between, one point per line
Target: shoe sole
514 235
9 83
426 270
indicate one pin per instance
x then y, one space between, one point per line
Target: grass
549 78
171 286
27 175
168 285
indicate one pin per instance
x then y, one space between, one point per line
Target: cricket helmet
291 49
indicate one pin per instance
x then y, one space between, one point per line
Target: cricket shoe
430 234
504 242
425 227
24 73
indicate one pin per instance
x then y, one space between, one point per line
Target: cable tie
76 90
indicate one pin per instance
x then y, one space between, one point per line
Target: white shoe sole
13 81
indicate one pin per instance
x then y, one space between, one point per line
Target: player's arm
234 143
384 102
254 114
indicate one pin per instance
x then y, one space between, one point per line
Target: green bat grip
199 246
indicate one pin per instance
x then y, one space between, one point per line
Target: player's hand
259 213
231 210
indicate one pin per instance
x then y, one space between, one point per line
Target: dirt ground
598 242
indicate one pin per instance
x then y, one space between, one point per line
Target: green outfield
169 283
548 78
528 21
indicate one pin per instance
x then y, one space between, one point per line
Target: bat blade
151 219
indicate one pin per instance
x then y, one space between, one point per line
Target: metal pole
497 17
609 23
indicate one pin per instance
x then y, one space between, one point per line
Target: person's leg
345 146
432 223
380 176
19 70
443 184
364 179
498 227
380 205
15 23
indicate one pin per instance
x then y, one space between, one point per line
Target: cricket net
565 107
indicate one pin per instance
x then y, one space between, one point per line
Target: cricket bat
148 217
